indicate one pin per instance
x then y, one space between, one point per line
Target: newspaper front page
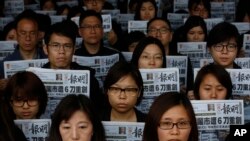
214 117
123 131
12 67
156 82
60 83
34 129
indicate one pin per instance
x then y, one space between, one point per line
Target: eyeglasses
167 125
92 1
160 30
229 47
57 46
127 91
90 27
20 103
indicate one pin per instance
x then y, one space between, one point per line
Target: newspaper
69 3
46 12
205 61
107 22
113 3
156 82
114 13
123 20
214 117
241 88
60 83
137 26
246 43
194 50
176 19
12 67
180 62
243 62
4 21
127 55
223 9
35 129
211 22
180 5
33 7
101 64
13 7
123 131
242 27
6 48
57 18
78 42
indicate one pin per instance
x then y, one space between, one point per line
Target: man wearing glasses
223 44
27 38
91 31
60 47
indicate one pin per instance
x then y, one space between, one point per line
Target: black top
96 95
140 117
103 51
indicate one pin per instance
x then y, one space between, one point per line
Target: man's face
160 29
60 50
224 53
91 30
94 5
27 34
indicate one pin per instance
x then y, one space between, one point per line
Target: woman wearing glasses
171 117
124 90
26 96
223 44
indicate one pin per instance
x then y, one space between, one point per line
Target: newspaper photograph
214 117
123 20
101 64
123 131
194 50
12 67
35 129
127 55
156 82
6 48
223 9
241 88
180 62
60 83
137 26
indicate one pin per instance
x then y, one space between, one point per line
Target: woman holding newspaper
171 117
124 90
76 119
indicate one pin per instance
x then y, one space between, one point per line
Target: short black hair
161 19
221 32
217 71
27 14
65 28
89 13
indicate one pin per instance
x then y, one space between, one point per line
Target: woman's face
147 11
25 108
175 114
196 34
199 10
78 127
151 57
211 89
11 36
123 94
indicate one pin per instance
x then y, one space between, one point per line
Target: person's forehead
91 19
60 38
158 23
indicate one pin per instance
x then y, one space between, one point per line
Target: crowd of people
78 117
